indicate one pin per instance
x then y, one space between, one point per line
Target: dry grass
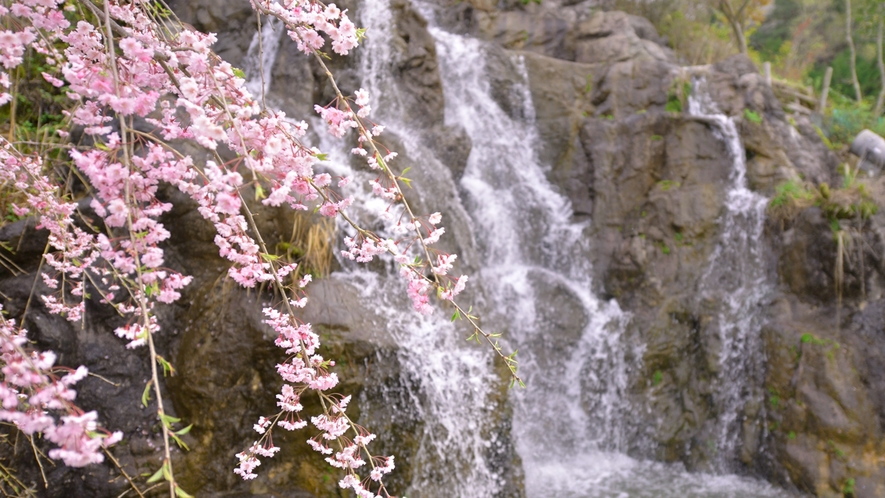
310 244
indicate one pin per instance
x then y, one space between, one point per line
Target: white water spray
260 57
570 424
736 278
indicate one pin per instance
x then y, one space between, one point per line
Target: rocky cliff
653 179
611 109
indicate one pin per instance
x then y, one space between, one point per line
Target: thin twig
122 471
115 384
34 285
261 59
39 463
142 301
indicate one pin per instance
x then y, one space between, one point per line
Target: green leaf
259 192
168 420
381 162
146 395
184 431
322 156
152 289
752 116
239 73
270 258
167 367
166 473
181 444
157 475
456 316
180 493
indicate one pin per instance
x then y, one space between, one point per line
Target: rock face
653 180
611 108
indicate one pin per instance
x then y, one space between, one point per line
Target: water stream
260 56
571 425
572 421
737 282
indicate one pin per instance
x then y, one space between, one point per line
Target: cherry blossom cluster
307 21
154 77
75 248
418 231
134 86
30 393
305 370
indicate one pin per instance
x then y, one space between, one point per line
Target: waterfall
451 388
572 423
736 278
572 357
259 59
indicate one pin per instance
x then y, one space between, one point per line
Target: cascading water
736 279
260 57
572 356
572 422
451 383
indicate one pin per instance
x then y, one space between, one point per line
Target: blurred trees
800 38
740 14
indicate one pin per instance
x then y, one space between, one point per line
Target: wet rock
533 28
808 257
234 21
822 421
451 144
415 58
561 93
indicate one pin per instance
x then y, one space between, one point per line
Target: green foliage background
800 38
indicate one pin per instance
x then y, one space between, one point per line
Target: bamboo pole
825 90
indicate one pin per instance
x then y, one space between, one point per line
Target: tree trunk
734 19
881 100
853 59
739 35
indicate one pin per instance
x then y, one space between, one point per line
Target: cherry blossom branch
123 471
167 468
367 136
339 119
158 60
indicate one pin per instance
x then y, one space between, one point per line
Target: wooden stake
825 90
